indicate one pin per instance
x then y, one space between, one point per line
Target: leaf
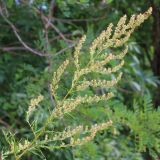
10 3
109 1
136 86
151 81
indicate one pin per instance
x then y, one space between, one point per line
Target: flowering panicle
77 51
98 66
70 104
68 132
87 133
98 42
121 34
33 104
99 83
109 39
123 31
24 145
108 57
57 76
93 130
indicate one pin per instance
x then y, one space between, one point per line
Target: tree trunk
156 45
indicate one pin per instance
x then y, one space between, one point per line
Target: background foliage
23 74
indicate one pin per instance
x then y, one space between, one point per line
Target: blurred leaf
136 86
10 3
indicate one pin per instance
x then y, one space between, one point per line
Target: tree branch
20 39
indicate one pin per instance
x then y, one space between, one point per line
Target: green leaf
10 3
109 1
136 86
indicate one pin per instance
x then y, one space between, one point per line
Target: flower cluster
99 63
68 132
87 133
33 103
77 51
24 145
93 130
99 83
57 76
70 104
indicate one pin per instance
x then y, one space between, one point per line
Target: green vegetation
51 79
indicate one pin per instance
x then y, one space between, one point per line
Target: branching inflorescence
98 63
